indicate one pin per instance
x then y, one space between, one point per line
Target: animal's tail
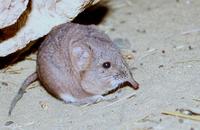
30 79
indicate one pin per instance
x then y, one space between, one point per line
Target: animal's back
54 66
53 60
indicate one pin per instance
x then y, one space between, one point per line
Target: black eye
106 65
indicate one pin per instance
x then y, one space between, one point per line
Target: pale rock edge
42 18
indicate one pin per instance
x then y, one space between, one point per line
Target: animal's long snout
132 83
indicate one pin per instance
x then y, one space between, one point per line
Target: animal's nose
135 85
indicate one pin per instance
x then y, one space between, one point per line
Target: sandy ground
164 36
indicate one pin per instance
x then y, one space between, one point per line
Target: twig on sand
183 115
150 53
187 61
191 31
197 100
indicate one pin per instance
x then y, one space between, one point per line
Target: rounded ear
81 57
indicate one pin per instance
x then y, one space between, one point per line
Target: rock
37 20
